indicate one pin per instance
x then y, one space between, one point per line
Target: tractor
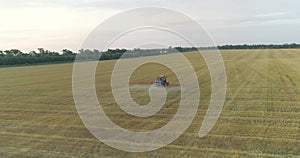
161 81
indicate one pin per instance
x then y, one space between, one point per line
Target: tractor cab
161 81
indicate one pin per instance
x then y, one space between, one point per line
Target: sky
64 24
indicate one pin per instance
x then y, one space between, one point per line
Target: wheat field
261 115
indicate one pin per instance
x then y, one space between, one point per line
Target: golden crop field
261 115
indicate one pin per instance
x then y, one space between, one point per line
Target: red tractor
161 81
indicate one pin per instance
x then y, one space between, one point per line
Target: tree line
261 46
17 57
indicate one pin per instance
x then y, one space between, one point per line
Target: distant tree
13 52
33 53
17 52
67 52
293 45
96 51
55 53
52 53
1 53
48 52
41 50
81 50
87 51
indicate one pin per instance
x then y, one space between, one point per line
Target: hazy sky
58 24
